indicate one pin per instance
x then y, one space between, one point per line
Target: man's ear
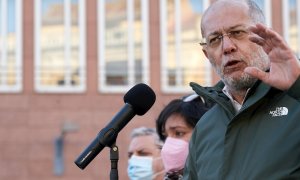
205 53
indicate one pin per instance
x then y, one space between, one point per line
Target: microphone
138 100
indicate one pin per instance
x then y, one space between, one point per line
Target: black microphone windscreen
141 97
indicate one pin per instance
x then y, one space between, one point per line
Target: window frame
164 45
286 23
67 88
18 87
103 87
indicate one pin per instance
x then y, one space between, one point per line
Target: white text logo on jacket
279 111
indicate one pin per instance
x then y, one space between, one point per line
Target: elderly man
144 159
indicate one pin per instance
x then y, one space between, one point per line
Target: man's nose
228 45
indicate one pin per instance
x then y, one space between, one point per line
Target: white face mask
140 168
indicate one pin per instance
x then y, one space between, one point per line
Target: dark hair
191 111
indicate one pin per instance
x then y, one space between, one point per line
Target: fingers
258 40
263 35
266 33
262 31
257 73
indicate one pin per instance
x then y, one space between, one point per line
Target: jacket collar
215 94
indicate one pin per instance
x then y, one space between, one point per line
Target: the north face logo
280 111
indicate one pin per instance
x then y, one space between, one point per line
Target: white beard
245 81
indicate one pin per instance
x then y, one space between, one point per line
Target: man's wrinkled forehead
213 17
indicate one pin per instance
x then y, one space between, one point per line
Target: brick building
65 66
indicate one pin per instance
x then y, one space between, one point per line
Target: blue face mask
140 168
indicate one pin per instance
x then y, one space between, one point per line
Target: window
123 44
10 46
60 46
182 60
291 24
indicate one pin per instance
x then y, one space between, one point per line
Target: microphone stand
114 157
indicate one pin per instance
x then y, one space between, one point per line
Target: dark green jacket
261 141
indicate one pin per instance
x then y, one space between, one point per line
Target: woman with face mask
144 161
174 126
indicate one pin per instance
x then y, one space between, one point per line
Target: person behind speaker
144 160
174 126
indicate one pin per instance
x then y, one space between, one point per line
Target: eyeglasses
215 40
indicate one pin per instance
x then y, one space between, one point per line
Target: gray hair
255 13
145 131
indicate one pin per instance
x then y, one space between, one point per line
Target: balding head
254 12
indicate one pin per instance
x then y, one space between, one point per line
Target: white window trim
102 85
298 23
164 46
82 50
268 12
286 22
18 87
